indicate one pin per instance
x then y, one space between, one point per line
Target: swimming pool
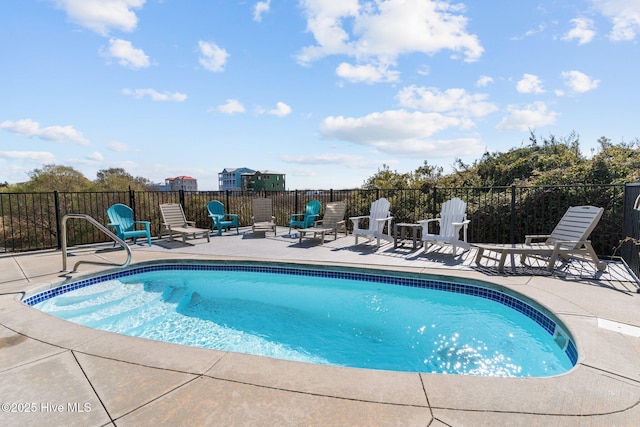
357 318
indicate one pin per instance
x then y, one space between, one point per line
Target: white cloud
379 32
101 16
582 31
366 73
530 117
260 9
401 132
455 101
95 157
43 157
212 56
324 159
118 147
484 81
231 106
579 82
32 129
126 54
530 84
624 15
281 110
155 95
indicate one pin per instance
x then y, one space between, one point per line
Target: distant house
263 181
183 182
231 178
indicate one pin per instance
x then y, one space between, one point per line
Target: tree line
542 161
546 161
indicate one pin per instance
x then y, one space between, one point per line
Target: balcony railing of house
31 221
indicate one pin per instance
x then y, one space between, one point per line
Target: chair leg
503 258
478 255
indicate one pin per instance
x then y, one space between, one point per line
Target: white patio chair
378 217
452 221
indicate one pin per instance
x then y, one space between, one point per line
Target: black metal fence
31 221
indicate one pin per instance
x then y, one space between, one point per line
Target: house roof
183 178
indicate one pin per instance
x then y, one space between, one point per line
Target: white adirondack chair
378 217
452 221
568 238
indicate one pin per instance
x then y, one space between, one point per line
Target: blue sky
324 91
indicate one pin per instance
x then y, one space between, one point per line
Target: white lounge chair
263 219
378 217
174 221
332 222
452 221
568 238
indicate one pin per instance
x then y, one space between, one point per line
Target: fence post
512 233
331 195
181 197
433 204
132 203
227 200
295 201
56 204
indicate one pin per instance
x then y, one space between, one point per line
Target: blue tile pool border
512 302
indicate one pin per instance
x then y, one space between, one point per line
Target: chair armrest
191 223
116 226
294 215
146 224
425 224
232 215
389 218
358 217
529 238
427 221
381 222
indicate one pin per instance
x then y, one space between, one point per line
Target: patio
57 373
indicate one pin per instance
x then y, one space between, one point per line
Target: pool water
321 320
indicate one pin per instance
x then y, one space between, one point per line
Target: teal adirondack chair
220 219
121 217
309 217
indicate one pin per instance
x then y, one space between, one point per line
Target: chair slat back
576 224
122 215
454 210
379 210
334 213
215 208
173 215
311 212
262 210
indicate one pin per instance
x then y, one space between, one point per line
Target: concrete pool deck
53 372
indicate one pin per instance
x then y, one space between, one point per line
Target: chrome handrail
103 229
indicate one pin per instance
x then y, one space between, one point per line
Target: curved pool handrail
101 228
